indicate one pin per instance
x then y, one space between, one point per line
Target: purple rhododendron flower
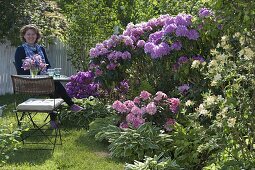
137 100
205 12
137 111
199 58
93 52
140 43
82 85
193 34
123 87
159 96
127 40
98 72
183 88
148 47
183 19
160 50
176 46
130 104
126 55
111 66
183 59
170 28
181 30
137 122
156 37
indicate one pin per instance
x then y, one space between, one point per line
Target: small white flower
220 98
227 47
217 77
242 40
221 57
231 122
214 83
213 63
248 53
210 100
189 103
195 64
202 111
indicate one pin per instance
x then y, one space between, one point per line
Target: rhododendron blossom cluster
82 85
147 107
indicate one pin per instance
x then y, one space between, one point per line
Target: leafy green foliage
93 108
235 16
8 142
231 103
155 163
101 127
135 144
90 22
45 14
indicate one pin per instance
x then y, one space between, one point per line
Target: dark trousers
60 91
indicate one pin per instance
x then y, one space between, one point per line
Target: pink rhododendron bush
158 109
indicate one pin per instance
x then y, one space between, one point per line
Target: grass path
78 152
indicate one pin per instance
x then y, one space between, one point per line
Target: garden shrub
230 103
8 142
93 108
153 51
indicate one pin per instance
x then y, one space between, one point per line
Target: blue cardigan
21 55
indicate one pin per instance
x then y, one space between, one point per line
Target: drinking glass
57 72
51 72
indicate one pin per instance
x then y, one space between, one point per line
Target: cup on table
57 72
51 72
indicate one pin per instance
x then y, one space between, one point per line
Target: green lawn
79 150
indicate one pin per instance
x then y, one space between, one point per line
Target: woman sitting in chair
30 35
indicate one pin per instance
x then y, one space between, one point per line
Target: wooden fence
57 55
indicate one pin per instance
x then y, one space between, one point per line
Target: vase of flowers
35 64
34 72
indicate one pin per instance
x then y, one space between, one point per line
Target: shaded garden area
164 84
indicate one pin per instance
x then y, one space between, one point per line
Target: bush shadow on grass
30 156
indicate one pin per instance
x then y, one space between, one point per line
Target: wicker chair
34 108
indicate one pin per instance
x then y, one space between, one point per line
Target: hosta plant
134 144
154 163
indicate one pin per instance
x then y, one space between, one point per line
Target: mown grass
78 151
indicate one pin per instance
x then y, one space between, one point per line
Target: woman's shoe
53 124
